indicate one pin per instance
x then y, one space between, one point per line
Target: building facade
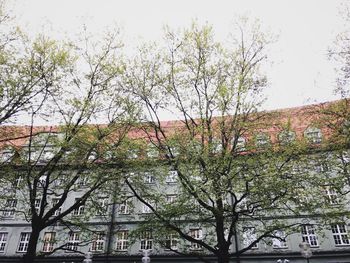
108 228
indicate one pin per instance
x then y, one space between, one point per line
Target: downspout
238 260
111 228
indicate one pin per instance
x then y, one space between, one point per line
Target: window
146 240
6 155
49 241
3 241
314 135
122 240
174 151
80 210
82 180
61 179
37 203
249 236
148 178
240 144
58 210
47 154
23 242
98 242
132 154
42 181
10 207
170 199
92 156
146 209
152 151
217 146
17 182
322 167
73 241
262 140
196 233
309 236
124 208
103 206
340 235
171 241
286 137
171 177
331 195
279 241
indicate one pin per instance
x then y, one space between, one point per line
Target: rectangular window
314 136
171 199
42 181
82 180
340 235
49 241
249 236
122 240
58 210
80 210
331 195
146 209
37 203
124 208
196 233
279 241
98 242
23 242
152 151
172 241
308 234
10 207
73 241
103 206
17 183
3 241
148 178
146 240
171 177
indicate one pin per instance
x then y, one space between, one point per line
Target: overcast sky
300 74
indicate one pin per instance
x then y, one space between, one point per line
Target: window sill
342 245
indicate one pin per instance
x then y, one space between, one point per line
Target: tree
54 161
227 186
26 69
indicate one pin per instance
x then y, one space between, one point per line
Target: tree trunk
224 258
29 257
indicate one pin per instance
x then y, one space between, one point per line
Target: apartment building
108 223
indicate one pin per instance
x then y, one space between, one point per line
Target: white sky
300 74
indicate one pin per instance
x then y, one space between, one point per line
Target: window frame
98 242
277 243
171 177
122 240
3 241
309 235
23 242
124 207
10 207
339 236
172 241
146 240
249 236
79 211
196 233
48 241
73 241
